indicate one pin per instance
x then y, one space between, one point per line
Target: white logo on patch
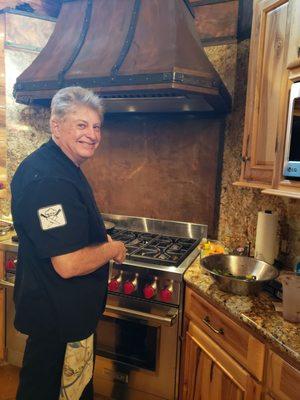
52 217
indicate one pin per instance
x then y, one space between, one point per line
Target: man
61 279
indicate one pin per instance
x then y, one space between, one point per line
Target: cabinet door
293 59
3 172
211 374
2 310
267 78
283 380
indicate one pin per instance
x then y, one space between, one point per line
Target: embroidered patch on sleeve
52 217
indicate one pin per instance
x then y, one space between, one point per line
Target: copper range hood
139 55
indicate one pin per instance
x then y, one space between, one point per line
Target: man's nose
93 133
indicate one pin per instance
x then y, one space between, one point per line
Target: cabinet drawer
283 380
238 342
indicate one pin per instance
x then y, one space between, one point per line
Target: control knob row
149 291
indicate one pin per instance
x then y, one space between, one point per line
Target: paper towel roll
266 236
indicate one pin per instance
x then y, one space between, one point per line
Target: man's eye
81 126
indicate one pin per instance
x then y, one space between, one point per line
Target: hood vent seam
129 37
81 40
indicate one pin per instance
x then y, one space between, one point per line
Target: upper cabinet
293 58
273 62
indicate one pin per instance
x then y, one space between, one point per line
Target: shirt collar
52 145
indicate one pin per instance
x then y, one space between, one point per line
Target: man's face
78 133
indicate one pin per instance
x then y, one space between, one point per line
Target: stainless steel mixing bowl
239 266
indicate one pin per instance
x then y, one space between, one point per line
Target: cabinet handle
245 158
206 320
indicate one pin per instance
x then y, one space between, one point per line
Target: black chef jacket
55 213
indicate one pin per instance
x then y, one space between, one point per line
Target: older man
64 251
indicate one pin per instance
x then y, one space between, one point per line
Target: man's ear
55 127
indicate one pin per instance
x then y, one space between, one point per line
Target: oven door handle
113 311
6 284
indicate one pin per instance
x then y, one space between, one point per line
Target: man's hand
119 248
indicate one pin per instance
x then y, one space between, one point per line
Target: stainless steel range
138 346
138 338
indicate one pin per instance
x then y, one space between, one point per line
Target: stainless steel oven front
137 350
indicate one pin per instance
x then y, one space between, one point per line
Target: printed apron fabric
77 369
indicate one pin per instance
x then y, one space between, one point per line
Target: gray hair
65 99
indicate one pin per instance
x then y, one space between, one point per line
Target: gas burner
162 243
164 251
116 232
124 236
149 252
175 247
155 248
131 249
159 249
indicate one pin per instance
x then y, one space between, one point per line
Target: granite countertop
256 312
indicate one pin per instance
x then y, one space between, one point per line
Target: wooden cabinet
283 380
293 57
223 361
243 347
211 374
267 70
2 310
273 64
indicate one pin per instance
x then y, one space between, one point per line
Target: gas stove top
155 248
158 254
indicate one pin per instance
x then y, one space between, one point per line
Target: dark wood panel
217 21
245 19
196 3
155 166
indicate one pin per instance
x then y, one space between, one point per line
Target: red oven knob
166 293
130 286
113 285
11 264
150 290
115 282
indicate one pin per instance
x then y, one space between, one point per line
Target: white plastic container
291 296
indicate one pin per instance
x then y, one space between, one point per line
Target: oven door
137 350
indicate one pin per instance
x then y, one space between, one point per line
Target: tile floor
9 379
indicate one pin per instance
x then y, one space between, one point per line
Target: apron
77 369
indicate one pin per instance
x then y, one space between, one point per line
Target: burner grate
155 248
